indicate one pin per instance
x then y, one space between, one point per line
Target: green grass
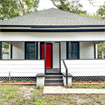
92 86
14 95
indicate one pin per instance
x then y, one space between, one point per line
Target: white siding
18 49
5 56
86 50
21 67
85 67
47 36
55 55
63 50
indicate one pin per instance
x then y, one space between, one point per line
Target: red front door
48 54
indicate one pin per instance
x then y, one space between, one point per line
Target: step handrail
66 74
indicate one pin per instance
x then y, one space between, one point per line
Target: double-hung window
72 50
31 50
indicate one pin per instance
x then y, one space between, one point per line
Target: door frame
51 53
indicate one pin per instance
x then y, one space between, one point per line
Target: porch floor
52 70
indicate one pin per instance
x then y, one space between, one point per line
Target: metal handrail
66 74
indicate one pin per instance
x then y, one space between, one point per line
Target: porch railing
21 68
66 74
85 69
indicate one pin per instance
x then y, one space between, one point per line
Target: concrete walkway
63 90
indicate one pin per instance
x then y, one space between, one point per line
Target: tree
28 6
73 5
101 48
14 8
5 45
97 16
8 9
101 10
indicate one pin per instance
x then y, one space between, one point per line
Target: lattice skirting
89 78
18 78
76 78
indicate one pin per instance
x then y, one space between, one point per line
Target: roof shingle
52 17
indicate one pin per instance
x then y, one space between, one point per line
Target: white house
41 41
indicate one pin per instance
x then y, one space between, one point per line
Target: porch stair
54 79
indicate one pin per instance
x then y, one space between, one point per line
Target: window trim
78 49
31 52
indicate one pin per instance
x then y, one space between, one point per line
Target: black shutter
0 50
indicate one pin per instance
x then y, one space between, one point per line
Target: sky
45 4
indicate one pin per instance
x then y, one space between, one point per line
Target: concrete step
53 73
53 76
54 80
54 84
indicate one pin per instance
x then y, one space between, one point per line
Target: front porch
27 59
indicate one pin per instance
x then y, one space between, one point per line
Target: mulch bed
18 82
87 82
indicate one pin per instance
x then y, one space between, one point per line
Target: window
72 50
31 50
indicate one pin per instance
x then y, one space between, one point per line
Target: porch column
0 50
95 51
45 55
69 50
36 48
10 51
60 57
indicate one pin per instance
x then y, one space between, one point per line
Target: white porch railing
21 68
94 67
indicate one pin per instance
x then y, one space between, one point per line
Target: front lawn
90 86
31 95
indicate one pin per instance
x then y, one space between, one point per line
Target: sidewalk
63 90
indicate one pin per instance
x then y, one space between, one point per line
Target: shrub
31 81
70 86
90 81
103 86
99 81
38 87
81 81
24 81
5 81
73 80
12 81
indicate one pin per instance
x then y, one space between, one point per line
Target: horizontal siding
18 50
54 36
86 67
86 50
21 67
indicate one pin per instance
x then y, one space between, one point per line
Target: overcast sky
45 4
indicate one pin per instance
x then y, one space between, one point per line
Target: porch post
69 50
36 53
0 50
60 57
10 51
45 55
95 51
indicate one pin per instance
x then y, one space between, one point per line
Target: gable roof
52 17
